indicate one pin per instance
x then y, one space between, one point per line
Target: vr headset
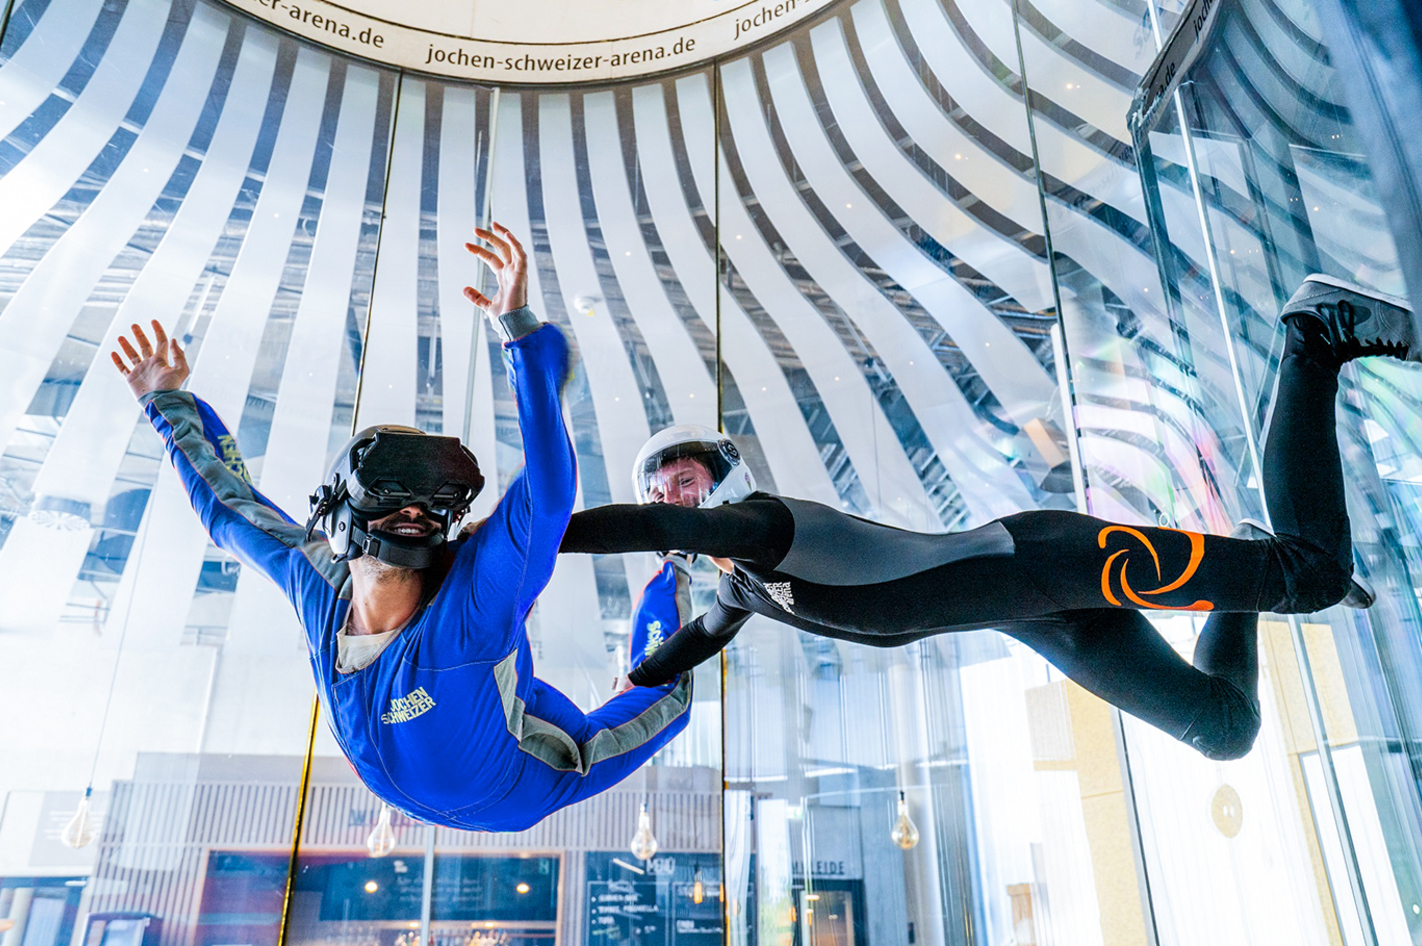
383 470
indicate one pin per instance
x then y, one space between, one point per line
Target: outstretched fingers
505 253
160 339
118 363
477 297
128 350
516 252
145 347
495 263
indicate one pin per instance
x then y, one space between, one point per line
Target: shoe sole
1346 286
1409 332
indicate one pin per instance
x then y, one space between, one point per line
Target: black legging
1070 586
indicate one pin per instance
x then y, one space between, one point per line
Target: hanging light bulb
382 840
644 845
905 832
79 832
698 889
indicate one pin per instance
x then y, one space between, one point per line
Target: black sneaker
1360 594
1358 321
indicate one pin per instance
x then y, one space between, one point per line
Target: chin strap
394 550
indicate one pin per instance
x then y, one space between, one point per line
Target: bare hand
160 366
621 685
510 266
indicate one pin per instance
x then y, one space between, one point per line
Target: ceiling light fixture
644 844
905 832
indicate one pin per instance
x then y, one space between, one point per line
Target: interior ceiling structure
535 41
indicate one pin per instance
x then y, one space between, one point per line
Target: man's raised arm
239 519
533 512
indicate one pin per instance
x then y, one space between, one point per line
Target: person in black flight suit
1071 586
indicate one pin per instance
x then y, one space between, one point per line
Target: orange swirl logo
1197 553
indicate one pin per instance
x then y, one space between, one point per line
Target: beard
383 573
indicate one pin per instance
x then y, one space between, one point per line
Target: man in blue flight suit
418 643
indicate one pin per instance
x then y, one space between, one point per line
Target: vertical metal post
379 237
716 231
427 895
285 927
1059 339
5 18
476 337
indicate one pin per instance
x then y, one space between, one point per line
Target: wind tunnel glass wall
906 251
1257 179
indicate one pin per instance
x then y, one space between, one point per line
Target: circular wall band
545 41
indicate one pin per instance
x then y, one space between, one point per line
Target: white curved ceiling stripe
455 219
1053 74
31 75
34 185
57 288
266 636
565 629
942 411
90 445
1063 154
690 388
953 64
1113 32
222 370
296 455
34 323
858 418
468 393
1006 364
1022 276
794 462
617 395
978 169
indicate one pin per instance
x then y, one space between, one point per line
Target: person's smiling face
681 482
411 522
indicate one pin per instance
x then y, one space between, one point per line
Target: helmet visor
683 474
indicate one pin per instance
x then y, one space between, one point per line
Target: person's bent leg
1303 477
1327 323
1118 656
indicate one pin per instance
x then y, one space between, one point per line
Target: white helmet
731 478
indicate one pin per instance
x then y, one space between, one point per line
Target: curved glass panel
1258 180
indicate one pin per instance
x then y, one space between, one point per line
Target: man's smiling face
682 482
411 522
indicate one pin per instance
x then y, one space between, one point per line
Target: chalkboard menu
653 903
465 888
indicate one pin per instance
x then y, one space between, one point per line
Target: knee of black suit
1226 728
1312 578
